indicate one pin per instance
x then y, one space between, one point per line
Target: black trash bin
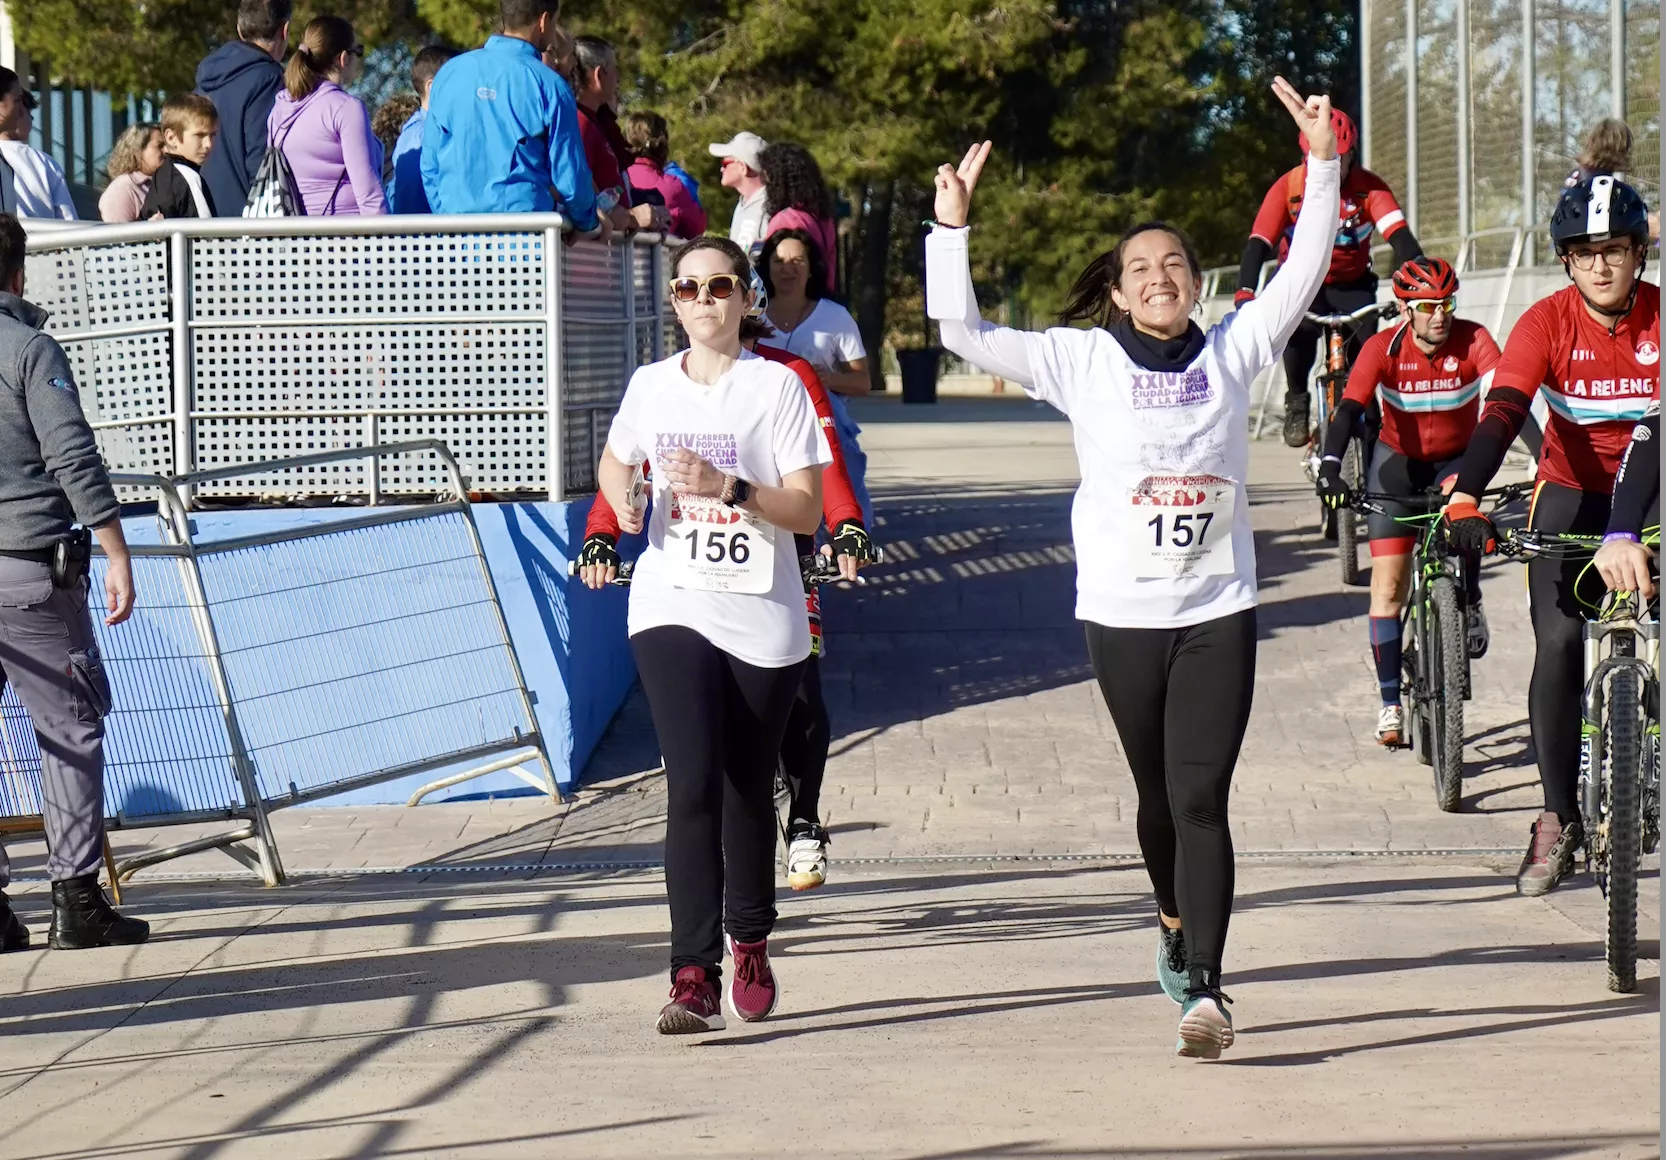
919 373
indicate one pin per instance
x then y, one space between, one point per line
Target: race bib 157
1180 525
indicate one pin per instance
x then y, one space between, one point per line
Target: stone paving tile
965 715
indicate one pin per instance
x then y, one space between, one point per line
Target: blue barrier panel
167 756
351 652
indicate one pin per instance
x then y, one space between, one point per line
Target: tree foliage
1104 112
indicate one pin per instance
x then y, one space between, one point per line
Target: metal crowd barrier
277 668
200 344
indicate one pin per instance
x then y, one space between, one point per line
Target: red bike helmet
1425 277
1346 135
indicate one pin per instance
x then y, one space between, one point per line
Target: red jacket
838 498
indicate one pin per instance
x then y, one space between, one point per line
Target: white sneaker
807 856
1478 634
1391 725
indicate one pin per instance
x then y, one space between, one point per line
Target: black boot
14 936
1296 422
82 917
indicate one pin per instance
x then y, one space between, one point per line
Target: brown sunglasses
719 286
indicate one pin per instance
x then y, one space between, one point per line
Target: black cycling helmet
1595 209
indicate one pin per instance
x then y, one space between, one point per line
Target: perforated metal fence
203 345
1474 110
276 668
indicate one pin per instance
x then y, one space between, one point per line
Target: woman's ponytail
322 44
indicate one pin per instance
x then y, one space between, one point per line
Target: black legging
719 722
804 745
1180 698
1304 343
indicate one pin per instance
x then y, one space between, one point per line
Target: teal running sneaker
1173 973
1205 1026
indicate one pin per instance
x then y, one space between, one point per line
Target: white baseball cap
747 148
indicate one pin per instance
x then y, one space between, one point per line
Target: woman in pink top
133 162
796 198
650 144
323 130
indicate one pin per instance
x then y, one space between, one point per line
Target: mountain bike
1340 525
1619 745
1434 642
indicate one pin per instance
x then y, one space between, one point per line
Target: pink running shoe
752 989
694 1005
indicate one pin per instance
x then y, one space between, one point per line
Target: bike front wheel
1347 521
1623 819
1449 655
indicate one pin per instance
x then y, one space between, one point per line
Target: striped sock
1385 650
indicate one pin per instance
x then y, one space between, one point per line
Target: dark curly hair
816 286
792 180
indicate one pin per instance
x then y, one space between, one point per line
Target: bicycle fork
1592 753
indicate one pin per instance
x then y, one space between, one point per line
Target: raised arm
1279 308
950 298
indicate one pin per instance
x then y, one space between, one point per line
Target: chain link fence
1474 110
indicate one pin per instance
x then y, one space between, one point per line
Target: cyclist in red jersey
1594 349
1367 205
1428 374
805 744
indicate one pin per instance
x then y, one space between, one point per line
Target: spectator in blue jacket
502 132
405 191
242 78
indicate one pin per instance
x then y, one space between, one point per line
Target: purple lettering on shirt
1163 389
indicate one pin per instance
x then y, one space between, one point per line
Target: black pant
1554 588
804 746
1180 698
719 722
1304 343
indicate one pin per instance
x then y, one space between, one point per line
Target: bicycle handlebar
1382 310
816 569
1372 501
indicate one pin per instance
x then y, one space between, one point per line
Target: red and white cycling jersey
1367 204
1598 385
1430 403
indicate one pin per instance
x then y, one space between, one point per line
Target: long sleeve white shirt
38 182
1161 519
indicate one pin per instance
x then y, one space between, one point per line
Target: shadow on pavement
975 603
1493 1148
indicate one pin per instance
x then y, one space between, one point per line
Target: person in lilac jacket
650 145
323 130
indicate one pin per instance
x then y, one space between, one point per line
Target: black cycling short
1395 474
1304 343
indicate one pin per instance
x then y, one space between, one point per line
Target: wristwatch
735 491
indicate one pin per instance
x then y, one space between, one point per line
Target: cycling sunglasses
1430 305
719 286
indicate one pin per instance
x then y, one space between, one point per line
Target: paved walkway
939 1001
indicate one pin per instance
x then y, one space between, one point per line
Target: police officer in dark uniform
55 496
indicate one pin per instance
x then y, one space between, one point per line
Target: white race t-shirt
756 422
827 339
1161 521
747 224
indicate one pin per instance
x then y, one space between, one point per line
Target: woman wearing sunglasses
716 620
1165 583
1428 374
323 130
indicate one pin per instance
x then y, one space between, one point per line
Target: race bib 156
713 547
1180 525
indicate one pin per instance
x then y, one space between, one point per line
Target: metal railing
201 344
273 669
